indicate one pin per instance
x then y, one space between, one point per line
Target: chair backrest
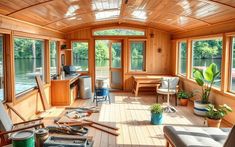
230 141
6 123
169 82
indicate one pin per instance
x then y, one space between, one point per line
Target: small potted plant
215 115
183 96
204 78
156 114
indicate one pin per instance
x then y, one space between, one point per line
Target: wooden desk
62 92
146 81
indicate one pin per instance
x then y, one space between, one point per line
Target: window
1 70
137 55
80 55
28 55
119 32
182 58
53 57
232 84
206 52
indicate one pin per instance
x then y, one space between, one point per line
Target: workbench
146 81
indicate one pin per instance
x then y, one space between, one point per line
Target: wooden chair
7 127
169 85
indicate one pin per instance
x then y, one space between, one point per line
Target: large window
119 32
182 58
137 55
232 84
80 55
28 63
1 70
53 57
206 52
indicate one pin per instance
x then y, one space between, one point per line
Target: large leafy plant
217 113
206 79
156 108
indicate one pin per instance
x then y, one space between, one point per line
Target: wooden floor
131 114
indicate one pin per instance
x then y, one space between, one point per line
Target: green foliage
118 32
184 95
206 79
156 108
102 50
28 48
217 113
137 50
205 49
80 50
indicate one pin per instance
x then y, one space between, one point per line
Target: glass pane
206 52
116 55
28 63
53 57
80 55
182 58
116 77
119 32
102 59
232 85
1 70
137 56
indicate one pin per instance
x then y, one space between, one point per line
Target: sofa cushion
196 136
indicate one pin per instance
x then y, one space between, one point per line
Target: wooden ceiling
169 15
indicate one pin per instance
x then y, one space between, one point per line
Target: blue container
102 92
156 118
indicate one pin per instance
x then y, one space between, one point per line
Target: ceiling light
140 14
107 14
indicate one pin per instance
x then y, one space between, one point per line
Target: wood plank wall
29 103
218 96
156 62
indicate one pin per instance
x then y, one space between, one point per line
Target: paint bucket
40 136
23 139
102 83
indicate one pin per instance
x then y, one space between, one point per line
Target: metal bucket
41 135
102 83
23 139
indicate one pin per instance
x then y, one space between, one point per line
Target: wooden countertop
70 78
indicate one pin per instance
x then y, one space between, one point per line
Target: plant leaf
208 74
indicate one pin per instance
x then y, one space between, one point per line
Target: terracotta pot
184 102
213 122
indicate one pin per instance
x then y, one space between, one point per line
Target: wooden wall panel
156 62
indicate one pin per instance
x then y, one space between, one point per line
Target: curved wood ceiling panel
170 15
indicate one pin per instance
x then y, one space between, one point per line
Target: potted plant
215 115
156 114
183 96
205 79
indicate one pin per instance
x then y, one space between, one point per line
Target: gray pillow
173 82
5 121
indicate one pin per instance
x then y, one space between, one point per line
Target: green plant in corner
156 108
217 113
184 95
206 79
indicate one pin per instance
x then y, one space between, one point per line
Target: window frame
81 40
201 38
144 56
21 96
57 56
231 40
117 27
178 58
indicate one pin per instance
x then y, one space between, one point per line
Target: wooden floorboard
132 116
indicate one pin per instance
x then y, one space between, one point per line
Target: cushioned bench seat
196 136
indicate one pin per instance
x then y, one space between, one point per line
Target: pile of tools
74 121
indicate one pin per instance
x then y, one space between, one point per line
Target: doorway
108 62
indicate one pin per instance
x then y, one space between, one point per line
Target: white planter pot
199 108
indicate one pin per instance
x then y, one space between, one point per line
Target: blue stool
101 94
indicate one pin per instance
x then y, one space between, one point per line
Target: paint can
102 83
41 135
23 139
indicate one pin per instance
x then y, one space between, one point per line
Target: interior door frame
111 39
110 64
